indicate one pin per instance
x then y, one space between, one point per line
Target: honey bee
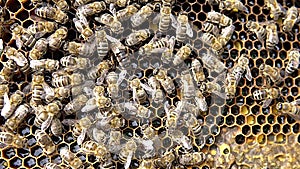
173 114
9 69
102 43
184 141
234 5
51 166
65 79
211 28
142 15
38 88
137 37
52 110
166 160
272 74
164 18
293 61
40 28
215 44
22 36
197 71
39 49
291 108
212 62
56 127
99 71
138 110
114 141
267 95
70 158
17 117
127 153
258 29
139 95
99 100
91 8
56 39
80 2
226 34
182 54
276 10
3 94
61 4
120 51
194 158
189 91
52 13
79 49
75 62
83 27
18 57
111 21
45 141
165 81
127 12
44 65
81 127
157 46
182 27
76 104
13 140
10 104
113 81
193 124
218 18
291 18
98 150
272 35
230 86
155 90
241 67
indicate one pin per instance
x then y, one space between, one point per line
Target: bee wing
46 124
112 39
134 96
128 160
266 103
81 137
175 23
6 106
19 43
201 103
156 19
69 122
296 102
146 87
248 74
130 106
90 105
36 63
122 76
48 90
189 30
20 61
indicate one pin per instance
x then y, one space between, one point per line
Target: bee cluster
149 84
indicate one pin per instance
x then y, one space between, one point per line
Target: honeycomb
235 133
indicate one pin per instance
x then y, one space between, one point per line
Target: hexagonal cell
240 139
286 129
42 160
22 152
13 5
36 151
256 129
29 162
240 120
280 138
266 129
9 153
15 162
229 120
276 128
